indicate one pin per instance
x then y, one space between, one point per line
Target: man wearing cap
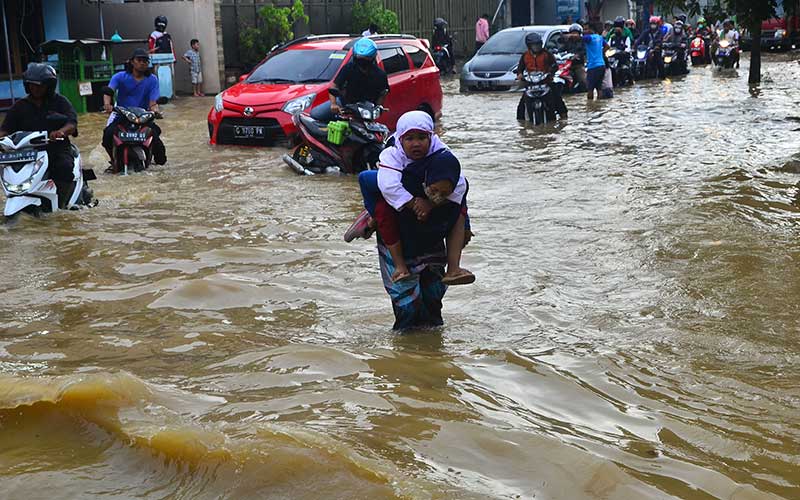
134 87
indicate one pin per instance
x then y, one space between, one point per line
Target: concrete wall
187 20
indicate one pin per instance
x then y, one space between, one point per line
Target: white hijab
395 157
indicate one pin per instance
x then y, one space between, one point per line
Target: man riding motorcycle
537 59
631 25
360 80
620 29
653 38
573 44
678 38
135 87
30 114
441 37
730 34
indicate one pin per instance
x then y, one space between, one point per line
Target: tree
749 13
593 10
372 12
275 27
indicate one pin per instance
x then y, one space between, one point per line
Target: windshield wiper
273 80
314 80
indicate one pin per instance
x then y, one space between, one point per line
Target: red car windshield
299 66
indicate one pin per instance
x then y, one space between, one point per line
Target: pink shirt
482 30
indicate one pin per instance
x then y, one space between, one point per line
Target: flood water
633 333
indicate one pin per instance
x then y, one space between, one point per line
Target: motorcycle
26 179
640 63
537 110
132 140
725 55
675 63
441 56
564 74
359 150
619 63
698 51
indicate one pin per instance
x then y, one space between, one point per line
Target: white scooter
26 183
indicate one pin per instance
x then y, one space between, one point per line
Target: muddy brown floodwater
633 333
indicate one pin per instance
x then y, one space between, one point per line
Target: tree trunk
755 55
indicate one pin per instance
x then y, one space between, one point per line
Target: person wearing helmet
31 114
679 39
359 80
160 42
630 24
539 59
136 86
608 27
441 38
730 34
620 31
572 43
653 38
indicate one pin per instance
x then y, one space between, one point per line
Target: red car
296 76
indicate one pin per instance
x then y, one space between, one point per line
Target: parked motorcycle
26 179
441 56
619 62
132 140
725 55
535 101
565 74
675 62
358 150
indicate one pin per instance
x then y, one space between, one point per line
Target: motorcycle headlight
218 105
366 114
146 117
724 44
17 188
611 53
299 104
38 164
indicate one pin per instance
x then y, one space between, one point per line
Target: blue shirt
594 51
131 92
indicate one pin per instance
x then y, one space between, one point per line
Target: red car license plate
248 132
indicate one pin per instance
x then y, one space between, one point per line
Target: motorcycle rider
160 42
360 80
631 25
679 39
730 34
30 114
573 44
135 87
537 58
653 38
619 40
619 27
442 37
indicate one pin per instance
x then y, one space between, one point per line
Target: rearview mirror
244 77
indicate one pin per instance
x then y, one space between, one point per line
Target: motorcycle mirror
244 77
55 121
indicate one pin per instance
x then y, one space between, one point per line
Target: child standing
192 56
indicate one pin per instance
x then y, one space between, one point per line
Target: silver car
494 66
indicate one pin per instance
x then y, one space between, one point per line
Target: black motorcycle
619 62
441 56
675 59
535 98
133 137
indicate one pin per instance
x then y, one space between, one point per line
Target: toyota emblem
248 111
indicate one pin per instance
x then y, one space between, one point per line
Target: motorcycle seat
316 128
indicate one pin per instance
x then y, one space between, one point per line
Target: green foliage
273 26
372 11
748 13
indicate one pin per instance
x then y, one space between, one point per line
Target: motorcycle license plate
132 136
14 156
248 132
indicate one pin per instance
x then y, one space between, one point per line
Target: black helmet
619 22
439 23
40 74
160 23
575 28
532 39
682 18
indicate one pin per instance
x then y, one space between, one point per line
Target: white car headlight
218 105
299 104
